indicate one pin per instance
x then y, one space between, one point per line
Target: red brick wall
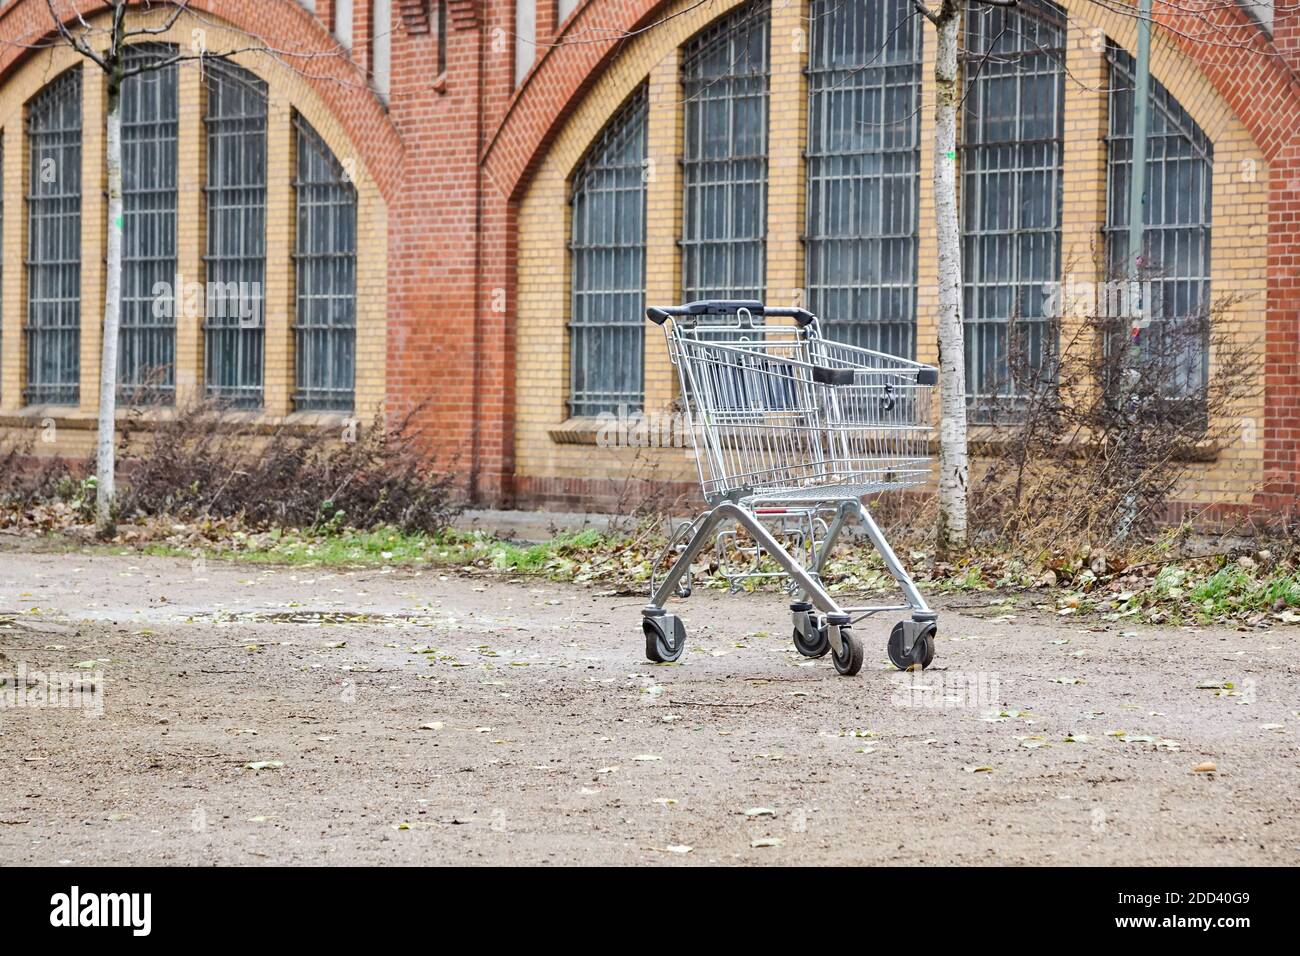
1265 93
452 161
307 47
1286 30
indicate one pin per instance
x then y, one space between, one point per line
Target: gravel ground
427 717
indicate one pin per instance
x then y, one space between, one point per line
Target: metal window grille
725 84
607 328
236 243
53 330
1011 190
863 163
326 259
1176 260
147 343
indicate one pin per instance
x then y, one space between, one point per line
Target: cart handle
660 314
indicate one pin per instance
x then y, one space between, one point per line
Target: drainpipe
476 377
1138 308
1138 177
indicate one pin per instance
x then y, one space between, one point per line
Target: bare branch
77 43
925 11
181 7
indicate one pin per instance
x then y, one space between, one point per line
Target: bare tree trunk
105 451
953 462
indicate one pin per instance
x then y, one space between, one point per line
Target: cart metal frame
787 426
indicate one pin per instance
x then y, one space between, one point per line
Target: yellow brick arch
288 91
551 450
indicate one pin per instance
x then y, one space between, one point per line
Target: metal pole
1138 175
1138 308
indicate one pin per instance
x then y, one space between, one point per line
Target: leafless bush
26 479
202 461
1089 442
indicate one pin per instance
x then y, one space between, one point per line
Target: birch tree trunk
105 450
953 462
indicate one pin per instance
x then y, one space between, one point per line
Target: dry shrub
203 461
1101 435
26 479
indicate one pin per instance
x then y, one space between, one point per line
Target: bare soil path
429 717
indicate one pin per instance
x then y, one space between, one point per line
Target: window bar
147 346
1011 194
325 258
607 324
863 164
53 328
724 165
234 329
1180 168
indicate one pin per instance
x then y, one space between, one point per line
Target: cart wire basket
790 432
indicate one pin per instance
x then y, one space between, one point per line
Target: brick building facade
466 132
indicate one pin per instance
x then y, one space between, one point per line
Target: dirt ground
429 717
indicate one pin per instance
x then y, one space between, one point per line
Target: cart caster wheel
665 637
809 639
922 654
814 645
849 660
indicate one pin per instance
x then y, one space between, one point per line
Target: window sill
258 422
578 431
990 441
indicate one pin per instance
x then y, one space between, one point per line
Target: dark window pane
864 94
236 250
724 82
1176 260
326 258
53 329
1012 141
606 331
146 365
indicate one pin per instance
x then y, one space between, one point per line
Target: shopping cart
790 431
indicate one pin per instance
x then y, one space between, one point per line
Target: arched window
1179 176
607 324
864 153
1014 129
326 258
236 244
147 343
725 84
54 243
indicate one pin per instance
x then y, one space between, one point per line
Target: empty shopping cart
790 432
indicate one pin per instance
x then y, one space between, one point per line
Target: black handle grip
660 314
832 376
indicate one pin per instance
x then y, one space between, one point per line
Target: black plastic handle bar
660 314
